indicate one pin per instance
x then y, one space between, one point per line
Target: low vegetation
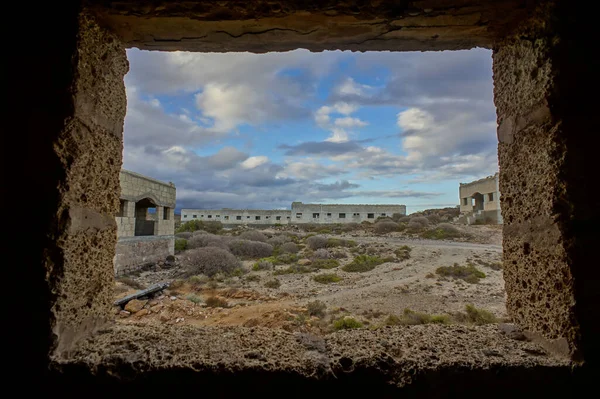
289 248
327 278
195 225
442 231
253 235
316 308
180 244
294 269
363 263
475 316
262 265
346 323
385 226
403 253
250 249
468 273
410 317
208 240
215 302
210 261
194 298
131 283
325 263
274 283
417 224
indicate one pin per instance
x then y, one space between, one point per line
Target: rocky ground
369 298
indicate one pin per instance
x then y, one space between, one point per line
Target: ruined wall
79 260
133 253
545 171
488 185
135 187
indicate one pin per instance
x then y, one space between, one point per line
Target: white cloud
350 88
349 122
414 119
253 162
338 136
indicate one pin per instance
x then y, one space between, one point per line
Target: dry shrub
214 302
316 308
186 235
433 219
348 227
316 242
442 231
289 248
208 240
250 249
418 223
210 261
321 253
253 235
385 226
278 241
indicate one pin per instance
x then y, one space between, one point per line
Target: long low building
300 213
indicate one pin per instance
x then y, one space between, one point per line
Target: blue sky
258 131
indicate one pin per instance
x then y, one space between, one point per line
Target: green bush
479 316
262 265
195 225
180 244
194 298
327 278
346 323
316 308
468 273
294 269
363 263
185 235
325 263
442 232
410 317
338 242
274 283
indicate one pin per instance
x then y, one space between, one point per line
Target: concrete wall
342 213
486 186
132 253
300 213
133 221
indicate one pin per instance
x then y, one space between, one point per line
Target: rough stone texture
79 268
261 26
550 212
426 359
135 187
133 253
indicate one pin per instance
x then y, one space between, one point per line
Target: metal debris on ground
142 293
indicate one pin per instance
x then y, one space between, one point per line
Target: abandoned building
480 201
72 56
300 213
144 239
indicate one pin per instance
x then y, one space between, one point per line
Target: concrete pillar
548 139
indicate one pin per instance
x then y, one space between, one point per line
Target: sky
259 131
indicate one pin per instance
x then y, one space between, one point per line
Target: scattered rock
304 262
135 305
492 352
512 331
142 312
124 313
156 308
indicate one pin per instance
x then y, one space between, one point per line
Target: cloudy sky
258 131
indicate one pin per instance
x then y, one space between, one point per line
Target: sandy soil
369 297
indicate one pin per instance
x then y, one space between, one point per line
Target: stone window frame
316 215
238 217
341 215
533 109
370 216
490 197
